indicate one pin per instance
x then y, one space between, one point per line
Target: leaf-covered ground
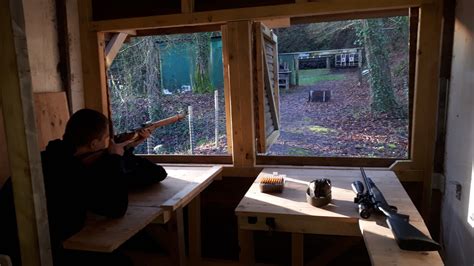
344 126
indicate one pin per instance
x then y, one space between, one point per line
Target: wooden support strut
238 63
113 47
93 61
25 164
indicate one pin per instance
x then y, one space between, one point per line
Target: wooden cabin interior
54 60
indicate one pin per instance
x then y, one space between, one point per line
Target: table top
182 184
145 205
101 234
292 203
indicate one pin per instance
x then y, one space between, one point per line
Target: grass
296 151
321 130
313 76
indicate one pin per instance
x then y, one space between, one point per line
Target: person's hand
142 135
118 148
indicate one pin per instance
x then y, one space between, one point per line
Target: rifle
132 135
370 199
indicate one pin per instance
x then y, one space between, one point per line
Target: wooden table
290 212
158 202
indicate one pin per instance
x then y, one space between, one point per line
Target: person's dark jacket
72 189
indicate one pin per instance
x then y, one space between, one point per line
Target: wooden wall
4 162
76 94
40 24
458 212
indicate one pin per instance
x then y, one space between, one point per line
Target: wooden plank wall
52 114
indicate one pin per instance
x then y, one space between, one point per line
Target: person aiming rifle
370 200
130 139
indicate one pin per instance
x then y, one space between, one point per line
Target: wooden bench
158 202
291 213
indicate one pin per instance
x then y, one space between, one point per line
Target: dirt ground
343 127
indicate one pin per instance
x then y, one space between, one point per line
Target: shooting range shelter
55 55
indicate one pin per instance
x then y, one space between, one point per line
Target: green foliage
202 82
376 46
316 36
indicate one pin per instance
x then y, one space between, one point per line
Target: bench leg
297 256
246 256
181 237
194 229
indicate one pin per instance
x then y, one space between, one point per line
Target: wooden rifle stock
133 135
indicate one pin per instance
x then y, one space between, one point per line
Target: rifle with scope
370 200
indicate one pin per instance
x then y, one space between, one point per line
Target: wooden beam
426 99
187 6
194 229
228 120
259 88
350 16
324 161
414 13
25 163
323 7
176 30
93 61
199 159
113 47
276 23
297 247
239 64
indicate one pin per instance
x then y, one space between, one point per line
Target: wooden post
297 246
237 39
25 164
228 121
247 250
216 118
93 61
187 6
426 99
194 228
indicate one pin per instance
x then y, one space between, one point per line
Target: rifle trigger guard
393 208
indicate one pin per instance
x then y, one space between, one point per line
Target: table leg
247 256
181 237
297 256
194 226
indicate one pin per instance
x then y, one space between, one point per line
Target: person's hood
59 148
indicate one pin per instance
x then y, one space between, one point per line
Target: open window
154 77
267 107
334 89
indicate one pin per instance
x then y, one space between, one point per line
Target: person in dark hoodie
74 187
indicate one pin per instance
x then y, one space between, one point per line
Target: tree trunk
383 97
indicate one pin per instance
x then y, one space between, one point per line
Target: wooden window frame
417 168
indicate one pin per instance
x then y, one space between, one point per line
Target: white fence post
216 116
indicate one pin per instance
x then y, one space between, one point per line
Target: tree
376 50
201 80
